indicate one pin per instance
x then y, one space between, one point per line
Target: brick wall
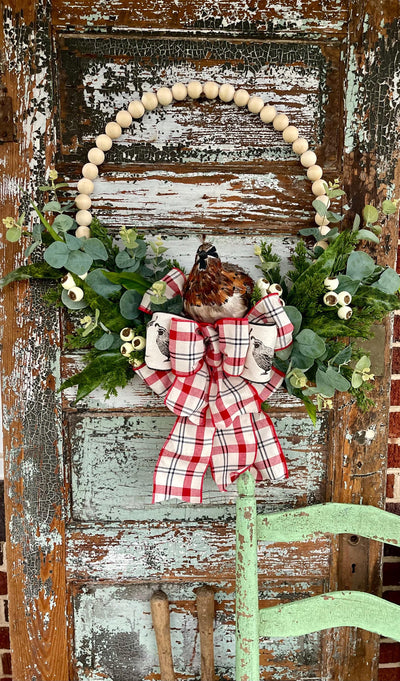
389 667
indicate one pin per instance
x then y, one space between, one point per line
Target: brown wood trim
34 500
371 170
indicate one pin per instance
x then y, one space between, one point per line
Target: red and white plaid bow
207 381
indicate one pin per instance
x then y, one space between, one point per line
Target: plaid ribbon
214 384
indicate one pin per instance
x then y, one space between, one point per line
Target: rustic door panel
189 169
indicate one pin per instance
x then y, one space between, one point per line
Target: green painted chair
336 609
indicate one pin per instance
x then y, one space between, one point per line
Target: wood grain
205 614
161 624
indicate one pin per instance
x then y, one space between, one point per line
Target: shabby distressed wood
113 456
283 19
332 518
122 645
334 609
30 355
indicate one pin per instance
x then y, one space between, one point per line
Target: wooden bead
226 92
314 173
103 142
83 217
96 156
324 199
179 91
280 122
321 220
124 118
300 145
195 89
82 231
136 109
83 201
164 96
318 187
255 104
90 170
324 230
308 158
149 101
241 97
290 134
268 113
211 89
113 130
85 186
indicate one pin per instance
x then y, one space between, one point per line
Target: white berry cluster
132 343
74 292
178 92
340 300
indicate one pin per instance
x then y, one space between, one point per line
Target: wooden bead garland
179 91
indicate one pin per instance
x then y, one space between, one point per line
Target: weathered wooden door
86 547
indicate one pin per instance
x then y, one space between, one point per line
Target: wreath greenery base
334 294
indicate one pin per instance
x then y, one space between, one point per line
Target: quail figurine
214 289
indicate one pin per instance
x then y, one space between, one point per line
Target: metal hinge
7 133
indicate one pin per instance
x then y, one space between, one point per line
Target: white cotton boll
136 109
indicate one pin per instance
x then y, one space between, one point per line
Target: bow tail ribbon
249 443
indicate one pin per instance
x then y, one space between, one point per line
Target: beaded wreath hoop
178 92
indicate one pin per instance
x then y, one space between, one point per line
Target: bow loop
234 344
186 346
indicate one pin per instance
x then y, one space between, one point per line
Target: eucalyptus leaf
310 344
129 304
285 353
356 222
388 282
299 360
56 255
359 265
356 380
320 207
13 234
95 249
78 262
105 342
37 232
52 206
72 242
370 214
367 235
334 217
347 284
72 304
324 384
32 247
97 280
129 280
340 382
342 357
295 317
63 223
388 207
310 231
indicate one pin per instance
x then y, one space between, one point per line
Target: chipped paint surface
122 645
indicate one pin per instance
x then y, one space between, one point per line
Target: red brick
393 456
390 550
395 393
3 583
6 661
389 652
394 424
385 674
396 361
392 596
396 328
4 638
390 485
391 574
